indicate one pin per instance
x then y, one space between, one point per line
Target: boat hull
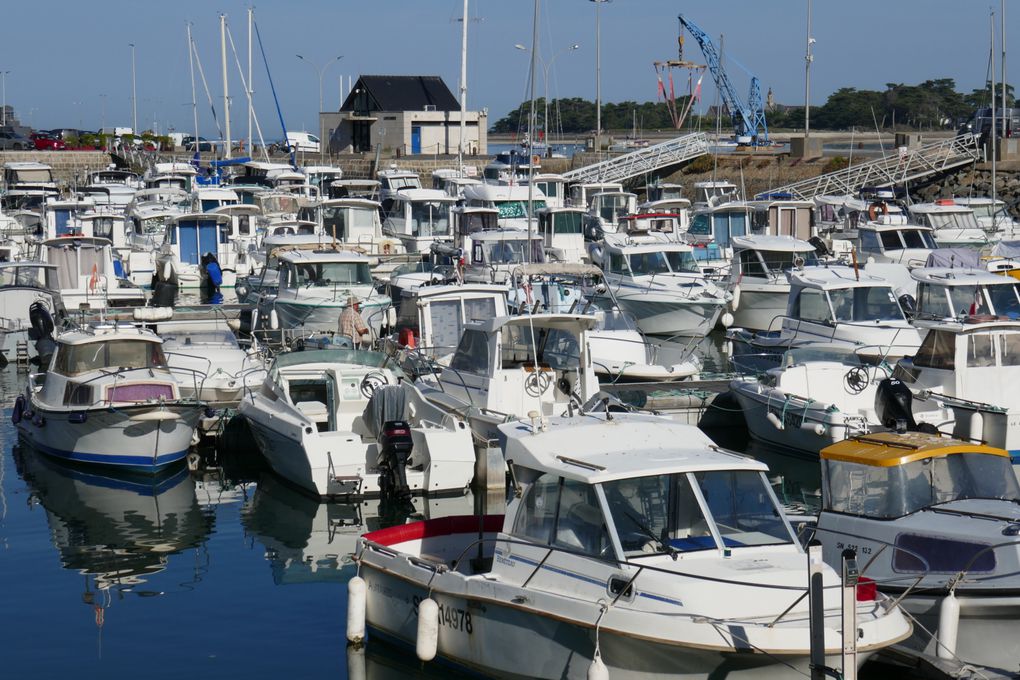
758 309
672 317
485 636
143 438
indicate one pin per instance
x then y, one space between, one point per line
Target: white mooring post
851 574
816 609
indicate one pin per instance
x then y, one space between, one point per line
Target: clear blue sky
69 61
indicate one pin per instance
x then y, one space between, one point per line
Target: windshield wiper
660 545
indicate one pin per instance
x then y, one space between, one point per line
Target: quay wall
67 165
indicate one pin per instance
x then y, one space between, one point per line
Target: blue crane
748 121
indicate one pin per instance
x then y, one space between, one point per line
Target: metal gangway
648 159
901 166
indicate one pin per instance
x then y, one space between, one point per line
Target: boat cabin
512 202
951 224
490 256
435 315
321 176
553 187
957 293
713 228
664 191
783 217
562 234
580 194
207 199
354 188
417 217
607 208
393 180
906 244
770 257
715 192
191 236
349 220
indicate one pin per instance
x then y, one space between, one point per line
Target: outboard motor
41 332
821 249
909 305
395 446
893 404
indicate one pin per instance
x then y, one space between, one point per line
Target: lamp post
3 86
321 71
134 94
598 76
808 58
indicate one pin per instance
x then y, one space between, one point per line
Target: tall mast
251 91
463 88
191 66
1002 80
995 123
808 58
226 94
531 136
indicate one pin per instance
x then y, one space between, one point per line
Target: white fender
254 319
726 319
949 626
428 629
168 270
977 425
274 320
735 302
597 670
356 594
774 419
391 316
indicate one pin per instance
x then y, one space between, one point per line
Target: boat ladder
642 161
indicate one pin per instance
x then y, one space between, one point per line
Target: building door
361 136
415 139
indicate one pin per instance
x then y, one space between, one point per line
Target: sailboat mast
531 136
1002 30
250 90
463 89
194 101
226 94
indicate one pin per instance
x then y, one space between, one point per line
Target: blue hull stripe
133 462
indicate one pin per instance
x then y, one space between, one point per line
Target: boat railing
117 375
620 589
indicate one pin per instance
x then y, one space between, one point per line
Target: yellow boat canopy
889 449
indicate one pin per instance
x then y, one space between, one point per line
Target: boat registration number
451 617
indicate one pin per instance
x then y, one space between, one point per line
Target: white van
303 141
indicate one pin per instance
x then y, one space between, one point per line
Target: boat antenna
463 89
272 88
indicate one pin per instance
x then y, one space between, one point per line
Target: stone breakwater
68 166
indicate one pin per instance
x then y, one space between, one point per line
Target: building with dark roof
404 115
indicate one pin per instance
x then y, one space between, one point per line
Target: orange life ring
875 207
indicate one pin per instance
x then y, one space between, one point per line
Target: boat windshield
430 218
25 275
1005 299
512 251
522 345
953 220
333 273
873 303
898 490
616 320
116 354
663 513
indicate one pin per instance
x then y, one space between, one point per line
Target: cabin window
644 264
567 223
102 228
891 240
1004 300
811 305
333 274
750 265
536 517
914 238
477 253
513 252
479 309
76 359
700 225
886 492
869 241
967 300
981 350
472 355
446 323
333 222
931 302
580 525
554 347
430 218
782 260
742 507
874 303
616 263
938 350
654 514
474 221
244 225
62 221
210 204
1009 349
516 209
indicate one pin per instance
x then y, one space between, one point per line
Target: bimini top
774 243
594 449
889 449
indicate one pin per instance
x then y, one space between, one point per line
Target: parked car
10 140
44 141
303 141
203 144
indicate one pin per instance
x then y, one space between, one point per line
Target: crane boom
747 120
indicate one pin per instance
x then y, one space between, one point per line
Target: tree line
933 104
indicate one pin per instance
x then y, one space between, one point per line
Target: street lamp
320 71
134 94
545 70
3 85
598 77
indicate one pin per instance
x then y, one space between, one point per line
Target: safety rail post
851 575
816 609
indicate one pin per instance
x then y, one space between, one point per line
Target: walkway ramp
642 161
897 167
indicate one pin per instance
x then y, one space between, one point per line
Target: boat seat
315 411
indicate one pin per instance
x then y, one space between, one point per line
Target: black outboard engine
893 403
821 249
41 332
909 305
395 446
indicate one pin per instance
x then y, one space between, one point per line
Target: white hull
128 436
671 317
488 635
759 308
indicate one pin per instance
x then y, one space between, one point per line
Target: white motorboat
509 366
491 256
891 239
660 283
631 547
511 200
936 519
210 365
761 288
108 397
86 274
833 306
605 211
948 293
952 225
562 234
22 285
417 218
993 216
189 243
339 423
393 180
314 288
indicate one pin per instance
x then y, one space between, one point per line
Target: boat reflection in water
307 540
115 528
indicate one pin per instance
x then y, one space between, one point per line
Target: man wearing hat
351 323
